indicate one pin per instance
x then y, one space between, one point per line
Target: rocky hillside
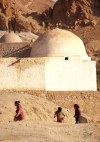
26 6
37 15
22 13
71 13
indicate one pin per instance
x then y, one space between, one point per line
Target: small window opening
66 58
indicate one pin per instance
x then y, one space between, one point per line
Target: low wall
14 49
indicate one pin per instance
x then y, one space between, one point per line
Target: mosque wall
45 74
70 75
8 74
32 74
21 73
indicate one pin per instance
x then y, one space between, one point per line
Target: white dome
56 43
10 38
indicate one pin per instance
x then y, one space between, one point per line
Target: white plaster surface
40 74
58 42
67 75
8 77
33 77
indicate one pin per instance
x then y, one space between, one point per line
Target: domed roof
10 38
56 43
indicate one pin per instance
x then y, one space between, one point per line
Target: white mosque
58 62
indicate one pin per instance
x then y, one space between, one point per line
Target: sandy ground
39 124
49 132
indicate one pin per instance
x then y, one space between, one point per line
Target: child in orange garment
19 112
60 115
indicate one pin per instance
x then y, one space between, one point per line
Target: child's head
16 103
59 109
76 106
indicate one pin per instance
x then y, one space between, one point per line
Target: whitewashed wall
70 75
22 73
43 73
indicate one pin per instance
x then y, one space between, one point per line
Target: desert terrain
36 17
49 132
33 18
39 124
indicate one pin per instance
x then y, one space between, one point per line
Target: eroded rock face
5 7
65 14
10 9
70 13
5 13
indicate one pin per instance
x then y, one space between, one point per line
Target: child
77 113
60 115
19 113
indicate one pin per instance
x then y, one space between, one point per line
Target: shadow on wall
83 120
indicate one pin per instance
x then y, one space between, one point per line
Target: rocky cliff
23 13
69 13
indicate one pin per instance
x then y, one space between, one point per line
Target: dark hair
76 106
17 102
59 109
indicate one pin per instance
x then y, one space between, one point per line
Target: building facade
58 62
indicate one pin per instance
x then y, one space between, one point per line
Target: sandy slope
39 124
40 105
37 109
